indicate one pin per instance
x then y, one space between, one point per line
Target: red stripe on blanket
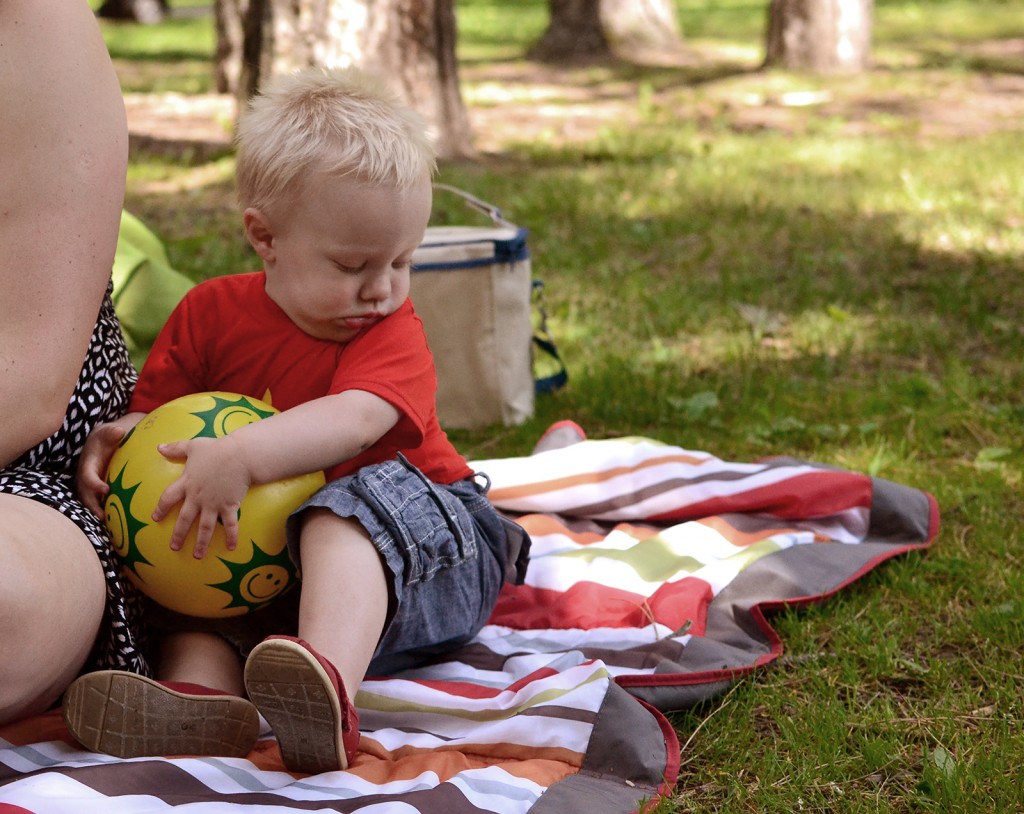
465 689
816 494
588 605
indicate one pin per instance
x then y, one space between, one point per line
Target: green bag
146 288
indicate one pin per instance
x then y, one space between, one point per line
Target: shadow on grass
806 319
871 338
1006 63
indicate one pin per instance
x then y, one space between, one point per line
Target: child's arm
219 471
99 448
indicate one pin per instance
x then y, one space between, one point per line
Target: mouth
360 322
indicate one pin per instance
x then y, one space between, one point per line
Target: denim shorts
446 554
445 549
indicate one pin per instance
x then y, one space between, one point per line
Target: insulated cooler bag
471 286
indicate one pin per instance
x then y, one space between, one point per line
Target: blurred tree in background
636 30
139 11
410 41
820 36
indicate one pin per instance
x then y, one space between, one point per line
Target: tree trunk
139 11
820 36
409 42
227 57
256 48
642 30
574 32
636 30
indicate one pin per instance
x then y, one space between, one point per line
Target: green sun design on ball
216 418
121 496
254 583
127 435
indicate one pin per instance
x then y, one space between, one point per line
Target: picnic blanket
653 568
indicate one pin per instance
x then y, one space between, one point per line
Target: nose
377 287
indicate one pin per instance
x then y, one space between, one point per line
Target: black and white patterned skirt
46 474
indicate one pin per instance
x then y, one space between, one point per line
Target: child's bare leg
344 594
201 658
304 686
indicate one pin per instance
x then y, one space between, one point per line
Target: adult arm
62 173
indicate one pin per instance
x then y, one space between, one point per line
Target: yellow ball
223 583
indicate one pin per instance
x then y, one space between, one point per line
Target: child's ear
259 232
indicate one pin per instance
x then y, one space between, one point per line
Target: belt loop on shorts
484 487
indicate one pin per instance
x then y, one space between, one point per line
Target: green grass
727 272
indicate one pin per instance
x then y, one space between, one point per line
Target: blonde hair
340 122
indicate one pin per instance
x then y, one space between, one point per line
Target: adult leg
196 708
52 597
201 658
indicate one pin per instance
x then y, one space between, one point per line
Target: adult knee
52 596
44 644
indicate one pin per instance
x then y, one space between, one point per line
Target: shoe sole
295 694
128 715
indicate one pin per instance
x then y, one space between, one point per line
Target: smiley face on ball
263 584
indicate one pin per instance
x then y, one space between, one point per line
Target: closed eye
349 269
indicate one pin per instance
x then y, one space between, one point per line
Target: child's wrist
235 446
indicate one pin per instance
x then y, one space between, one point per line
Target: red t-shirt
227 334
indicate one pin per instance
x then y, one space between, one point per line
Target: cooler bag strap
543 340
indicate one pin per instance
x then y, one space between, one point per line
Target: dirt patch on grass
933 105
528 102
195 126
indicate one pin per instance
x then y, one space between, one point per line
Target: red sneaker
301 695
129 715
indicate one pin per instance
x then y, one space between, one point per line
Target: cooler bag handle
487 209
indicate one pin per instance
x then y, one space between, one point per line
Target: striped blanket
652 570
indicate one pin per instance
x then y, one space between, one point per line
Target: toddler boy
401 554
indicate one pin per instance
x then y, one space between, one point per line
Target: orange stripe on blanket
541 525
545 525
38 729
746 538
543 766
266 756
600 476
376 764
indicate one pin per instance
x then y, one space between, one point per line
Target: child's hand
99 448
210 489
